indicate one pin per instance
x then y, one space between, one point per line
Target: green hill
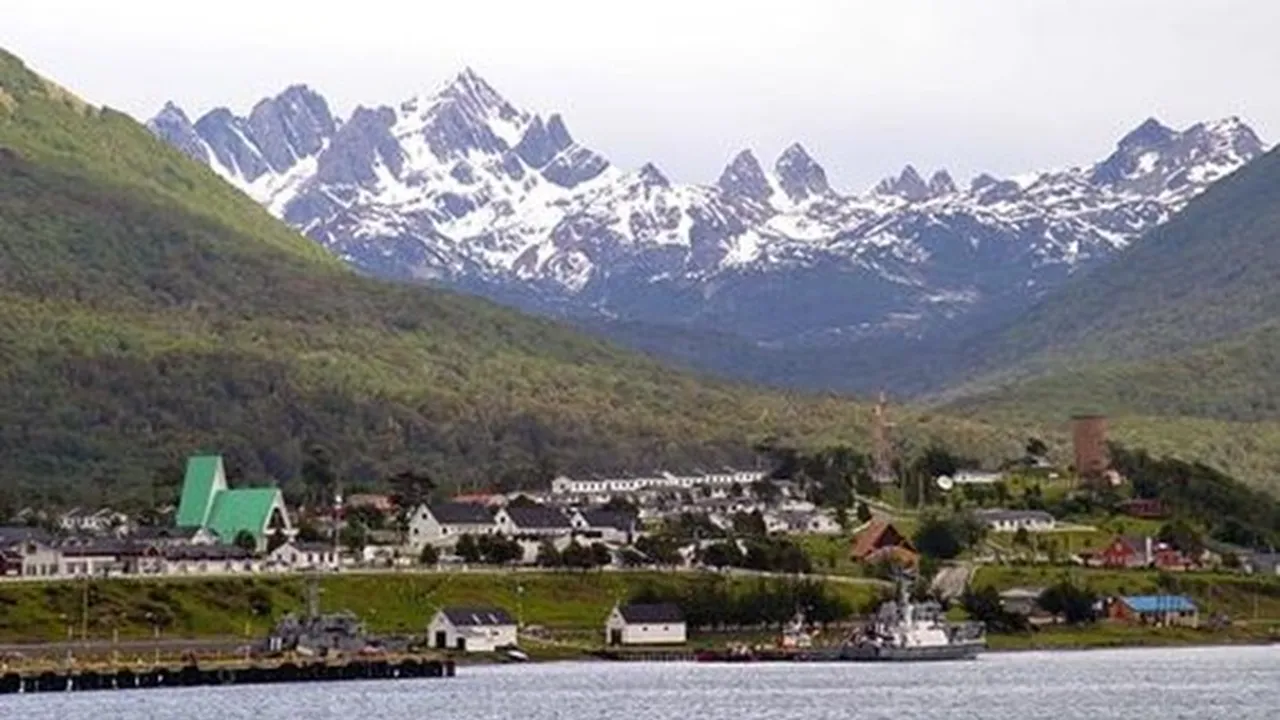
148 311
1177 338
1207 275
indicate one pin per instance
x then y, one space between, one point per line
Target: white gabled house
442 524
480 629
605 525
655 624
295 555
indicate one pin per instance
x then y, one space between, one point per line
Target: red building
1131 551
1149 508
880 540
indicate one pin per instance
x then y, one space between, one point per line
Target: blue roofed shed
1155 610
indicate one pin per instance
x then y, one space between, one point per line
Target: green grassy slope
402 603
148 311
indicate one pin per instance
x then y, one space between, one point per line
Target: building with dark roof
646 624
527 521
441 524
472 629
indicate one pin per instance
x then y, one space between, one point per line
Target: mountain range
754 275
150 311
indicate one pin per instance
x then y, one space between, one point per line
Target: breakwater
194 674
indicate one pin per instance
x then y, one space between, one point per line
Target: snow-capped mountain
460 186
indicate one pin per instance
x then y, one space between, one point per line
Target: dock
69 679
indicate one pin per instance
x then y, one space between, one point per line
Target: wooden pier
231 673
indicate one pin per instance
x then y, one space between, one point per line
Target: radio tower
881 453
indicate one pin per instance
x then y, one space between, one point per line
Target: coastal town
1015 548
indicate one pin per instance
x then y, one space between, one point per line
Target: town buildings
598 486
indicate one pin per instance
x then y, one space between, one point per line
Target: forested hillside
148 311
1206 276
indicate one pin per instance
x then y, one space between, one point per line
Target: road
450 570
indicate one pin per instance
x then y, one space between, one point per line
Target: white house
658 624
441 525
605 525
304 556
976 477
1015 520
536 521
472 629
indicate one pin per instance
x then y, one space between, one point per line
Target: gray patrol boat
907 631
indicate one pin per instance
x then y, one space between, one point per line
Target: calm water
1229 683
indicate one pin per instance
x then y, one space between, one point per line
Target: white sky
994 85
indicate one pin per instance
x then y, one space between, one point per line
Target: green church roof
245 509
197 490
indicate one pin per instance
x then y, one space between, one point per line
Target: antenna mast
881 452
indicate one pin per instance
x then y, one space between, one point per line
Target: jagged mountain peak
744 177
908 185
941 184
651 176
799 175
1149 133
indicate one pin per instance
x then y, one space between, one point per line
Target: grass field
37 612
1239 597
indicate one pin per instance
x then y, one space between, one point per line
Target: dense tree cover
945 537
149 311
1073 603
983 605
757 553
1230 510
1206 275
710 604
829 476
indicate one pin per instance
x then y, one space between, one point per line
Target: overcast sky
973 85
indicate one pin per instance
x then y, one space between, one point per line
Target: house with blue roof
1161 610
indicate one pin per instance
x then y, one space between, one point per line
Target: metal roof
460 513
1159 603
655 613
474 616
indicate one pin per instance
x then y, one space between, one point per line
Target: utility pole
84 611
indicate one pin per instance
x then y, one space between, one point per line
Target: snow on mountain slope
463 187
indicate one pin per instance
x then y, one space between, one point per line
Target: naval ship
907 631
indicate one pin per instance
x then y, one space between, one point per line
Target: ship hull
893 654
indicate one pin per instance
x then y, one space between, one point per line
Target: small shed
478 629
646 624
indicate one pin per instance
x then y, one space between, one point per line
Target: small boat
515 655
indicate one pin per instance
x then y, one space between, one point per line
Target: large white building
472 629
1015 520
564 485
441 525
658 624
